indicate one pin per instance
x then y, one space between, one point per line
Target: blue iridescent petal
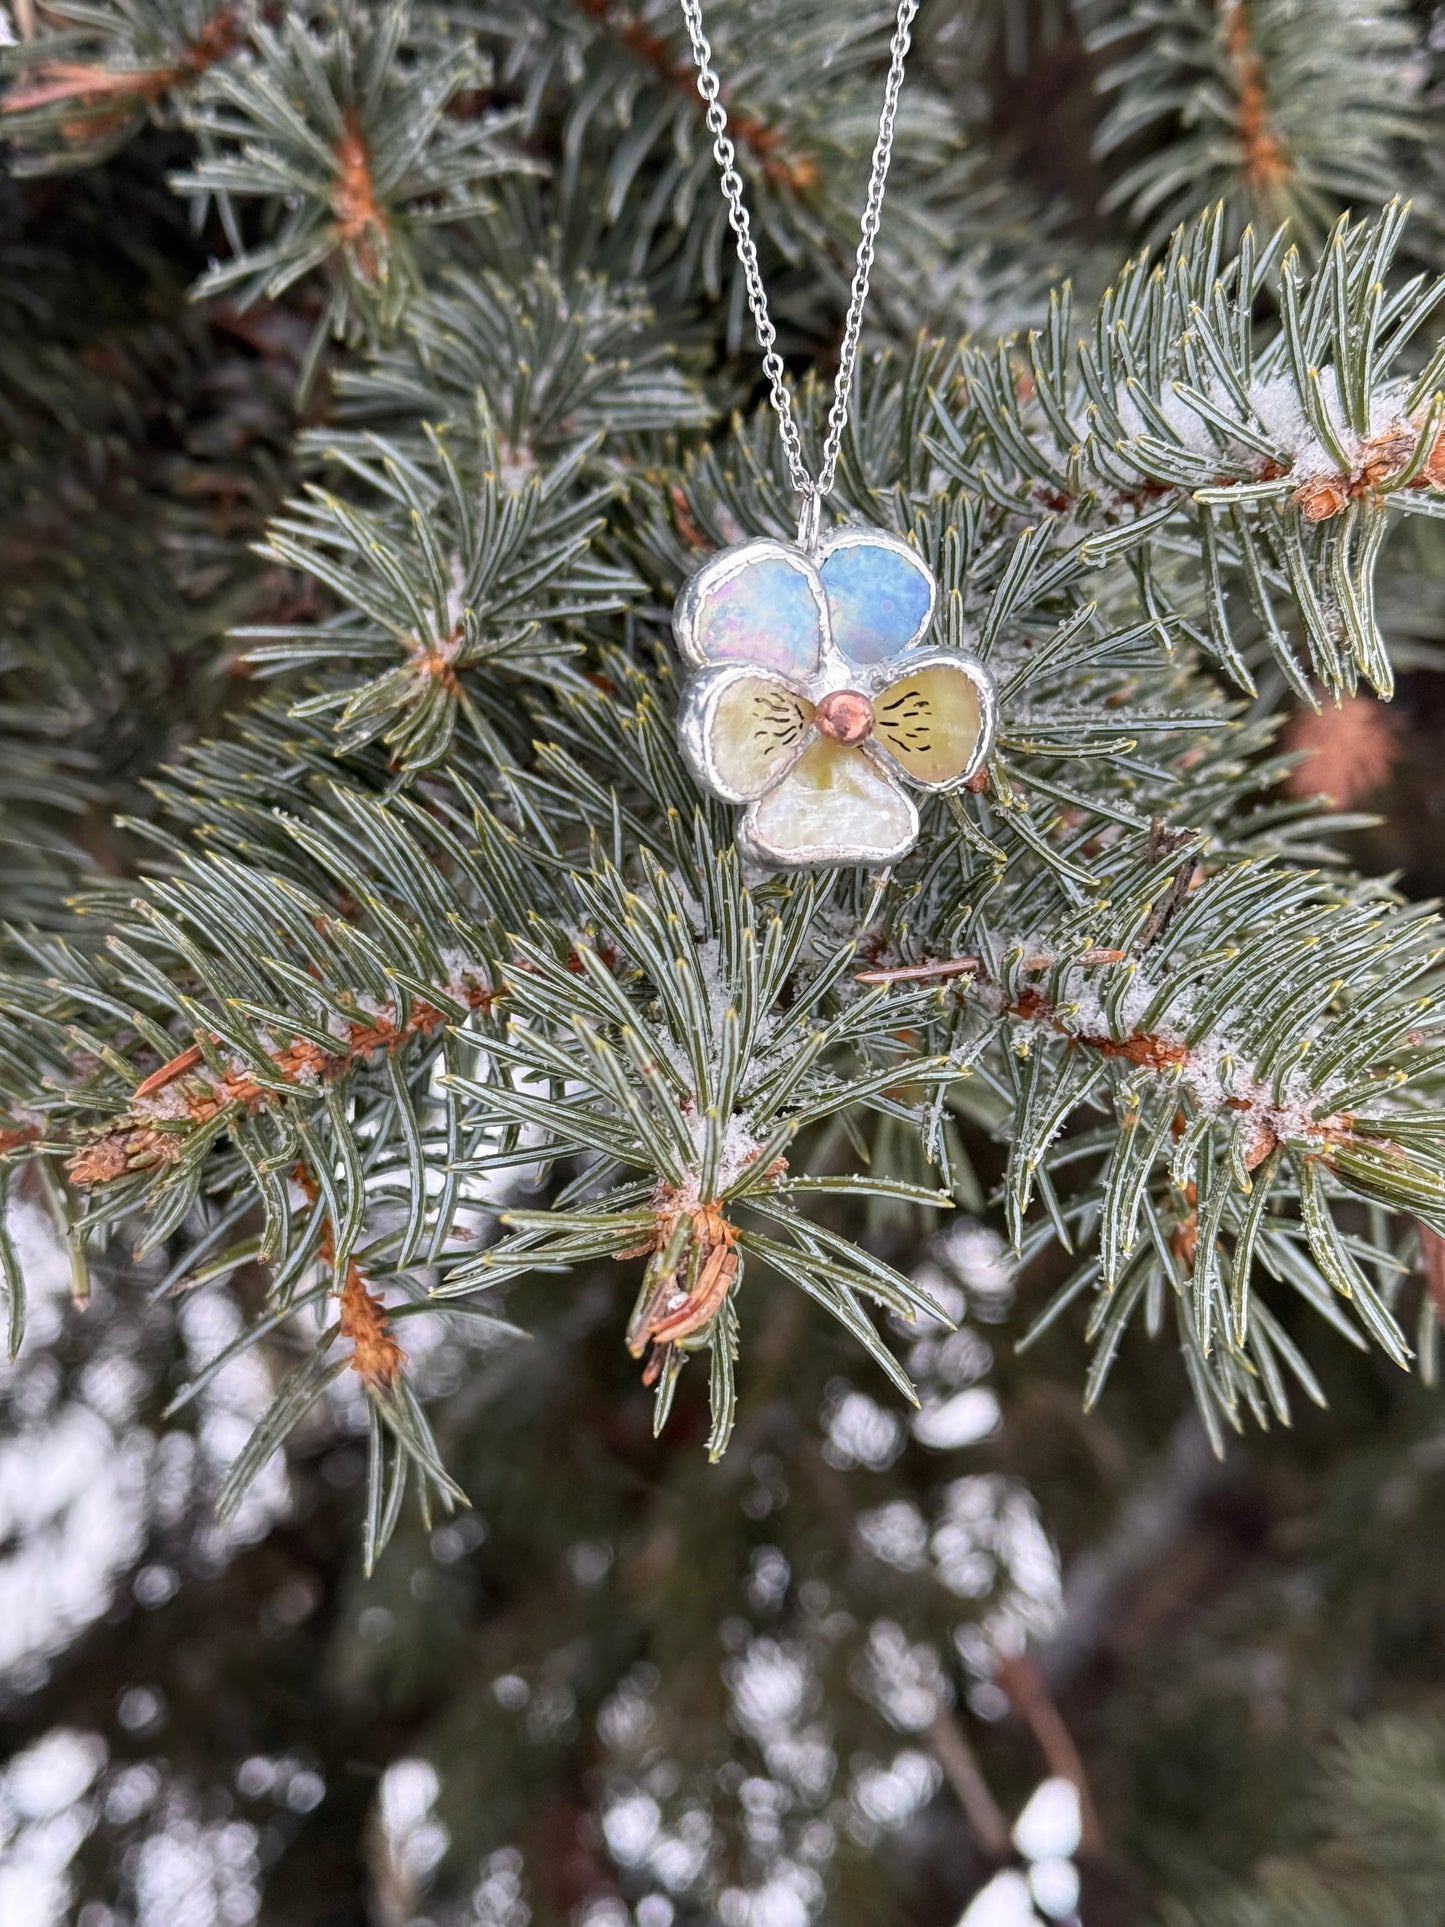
760 607
880 598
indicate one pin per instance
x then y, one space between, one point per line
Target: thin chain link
725 154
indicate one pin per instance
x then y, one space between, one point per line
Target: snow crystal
963 1419
890 1796
905 1681
895 1533
861 1432
446 637
1055 1888
1215 1072
1049 1826
1278 408
769 1685
630 1824
1004 1902
774 1688
1189 428
461 971
168 1102
411 1838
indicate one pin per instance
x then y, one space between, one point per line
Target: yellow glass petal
754 734
834 805
929 722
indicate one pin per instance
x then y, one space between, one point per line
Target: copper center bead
846 716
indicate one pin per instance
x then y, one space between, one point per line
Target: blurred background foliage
989 1661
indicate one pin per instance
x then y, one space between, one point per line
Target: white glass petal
835 805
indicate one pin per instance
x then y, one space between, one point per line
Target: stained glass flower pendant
811 698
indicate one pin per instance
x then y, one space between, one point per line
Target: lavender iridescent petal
767 613
879 598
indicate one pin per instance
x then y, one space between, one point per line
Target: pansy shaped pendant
810 698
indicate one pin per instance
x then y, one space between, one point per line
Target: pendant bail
810 518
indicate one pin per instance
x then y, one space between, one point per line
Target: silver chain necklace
725 154
810 696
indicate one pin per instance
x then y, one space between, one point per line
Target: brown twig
1432 1264
112 95
151 1132
438 662
375 1354
961 1769
1267 164
970 966
1378 461
1150 1050
185 1090
671 1312
921 973
1162 842
1028 1694
361 221
799 172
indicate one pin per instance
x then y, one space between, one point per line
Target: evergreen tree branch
80 90
1245 104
